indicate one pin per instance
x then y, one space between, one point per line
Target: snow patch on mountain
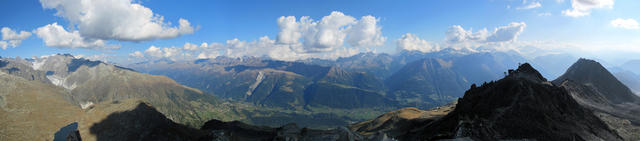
37 64
59 81
85 105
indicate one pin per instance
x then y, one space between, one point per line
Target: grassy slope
31 110
180 103
398 122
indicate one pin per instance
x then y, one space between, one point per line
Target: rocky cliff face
523 105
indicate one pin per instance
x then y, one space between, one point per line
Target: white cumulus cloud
298 39
55 35
411 42
207 55
330 32
544 14
4 45
366 33
457 34
11 38
136 54
190 46
289 29
583 7
157 52
625 23
121 20
507 33
530 5
8 34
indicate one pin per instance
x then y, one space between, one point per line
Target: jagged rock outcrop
74 136
520 106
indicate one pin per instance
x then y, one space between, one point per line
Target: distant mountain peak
592 73
583 62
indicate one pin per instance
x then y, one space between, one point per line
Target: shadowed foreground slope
141 122
136 120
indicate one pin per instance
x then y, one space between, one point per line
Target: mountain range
632 65
386 80
61 96
632 80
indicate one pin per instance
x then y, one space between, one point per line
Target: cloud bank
293 43
333 36
457 37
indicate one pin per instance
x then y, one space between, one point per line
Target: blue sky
543 26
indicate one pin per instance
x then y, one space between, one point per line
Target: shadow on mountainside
142 123
61 135
77 63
